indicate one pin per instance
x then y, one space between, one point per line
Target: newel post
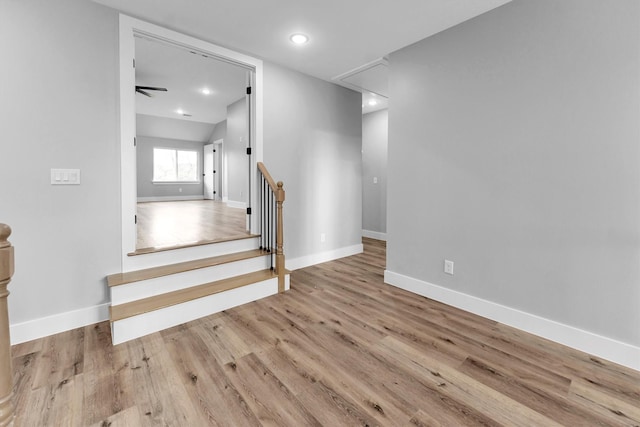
6 371
280 237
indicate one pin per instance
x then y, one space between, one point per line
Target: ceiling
348 40
185 74
344 35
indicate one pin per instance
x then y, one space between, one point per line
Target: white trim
606 348
234 204
169 198
318 258
141 289
176 182
61 322
153 321
340 79
374 235
128 27
156 259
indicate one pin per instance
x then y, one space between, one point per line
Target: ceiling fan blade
143 92
161 89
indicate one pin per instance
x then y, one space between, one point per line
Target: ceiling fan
143 90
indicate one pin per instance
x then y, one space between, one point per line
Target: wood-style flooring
340 348
166 225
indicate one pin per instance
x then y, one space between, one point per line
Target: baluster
280 237
264 213
271 226
6 372
260 207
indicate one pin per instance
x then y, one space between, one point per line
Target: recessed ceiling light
299 39
182 112
206 91
373 102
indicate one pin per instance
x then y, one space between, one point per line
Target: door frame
205 154
220 177
129 27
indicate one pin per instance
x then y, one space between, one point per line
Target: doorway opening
189 94
186 101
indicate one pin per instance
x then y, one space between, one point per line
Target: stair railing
271 221
6 372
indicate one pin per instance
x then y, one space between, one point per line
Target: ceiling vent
372 77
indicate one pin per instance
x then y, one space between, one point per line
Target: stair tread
165 270
155 249
145 305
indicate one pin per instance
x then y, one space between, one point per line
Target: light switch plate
65 176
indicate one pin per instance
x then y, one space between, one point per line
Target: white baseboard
169 198
313 259
234 204
45 326
374 235
597 345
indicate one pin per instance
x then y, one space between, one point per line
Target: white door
207 173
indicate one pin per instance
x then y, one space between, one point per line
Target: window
171 165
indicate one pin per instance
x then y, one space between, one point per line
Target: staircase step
146 305
166 270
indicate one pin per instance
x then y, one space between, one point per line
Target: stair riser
157 259
160 285
144 324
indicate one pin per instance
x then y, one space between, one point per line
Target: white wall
58 109
313 143
219 131
514 151
144 169
235 152
375 127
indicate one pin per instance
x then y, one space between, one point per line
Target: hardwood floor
164 225
340 348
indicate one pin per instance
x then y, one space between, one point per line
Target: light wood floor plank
207 383
186 223
107 376
340 348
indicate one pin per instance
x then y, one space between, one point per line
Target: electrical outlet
448 267
323 237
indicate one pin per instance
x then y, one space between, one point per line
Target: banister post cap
279 184
5 232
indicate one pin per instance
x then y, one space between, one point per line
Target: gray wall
235 152
514 151
375 128
312 141
219 131
144 169
59 109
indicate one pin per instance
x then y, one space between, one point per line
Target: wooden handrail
6 372
267 176
279 194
